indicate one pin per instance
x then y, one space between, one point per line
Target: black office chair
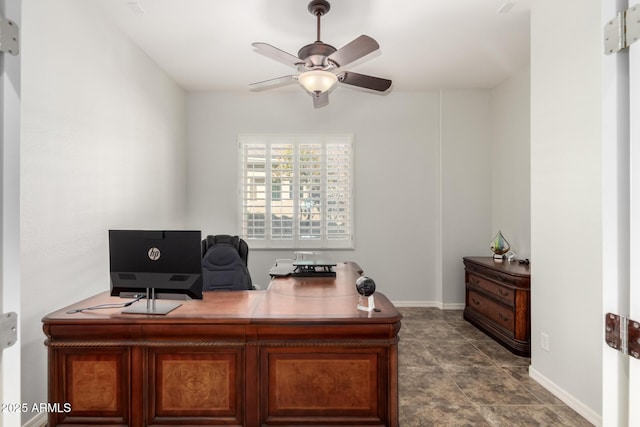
224 263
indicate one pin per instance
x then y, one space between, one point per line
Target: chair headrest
222 255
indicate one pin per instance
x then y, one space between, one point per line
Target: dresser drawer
493 274
501 315
503 293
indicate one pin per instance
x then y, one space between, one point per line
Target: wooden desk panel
187 383
328 384
298 353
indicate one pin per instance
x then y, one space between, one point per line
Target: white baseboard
39 420
591 416
416 304
453 306
429 304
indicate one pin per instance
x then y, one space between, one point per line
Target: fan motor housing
318 7
315 54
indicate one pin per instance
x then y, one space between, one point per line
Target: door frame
621 219
634 291
10 391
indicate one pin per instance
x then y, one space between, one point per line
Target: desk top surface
287 299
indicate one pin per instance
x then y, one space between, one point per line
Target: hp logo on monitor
154 254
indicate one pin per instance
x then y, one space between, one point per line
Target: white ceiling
424 44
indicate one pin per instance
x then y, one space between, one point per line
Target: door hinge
8 330
622 31
9 37
622 334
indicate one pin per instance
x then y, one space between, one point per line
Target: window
296 191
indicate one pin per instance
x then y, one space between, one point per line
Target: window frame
269 141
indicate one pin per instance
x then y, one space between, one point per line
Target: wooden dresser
497 301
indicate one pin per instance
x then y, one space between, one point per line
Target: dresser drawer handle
504 293
475 301
475 280
501 278
503 317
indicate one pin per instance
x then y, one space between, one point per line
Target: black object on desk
303 268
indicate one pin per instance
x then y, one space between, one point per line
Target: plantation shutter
296 191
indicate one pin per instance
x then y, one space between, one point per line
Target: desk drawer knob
503 292
475 301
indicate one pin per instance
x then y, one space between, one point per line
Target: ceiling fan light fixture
318 81
318 63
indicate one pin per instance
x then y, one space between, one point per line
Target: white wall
103 146
566 207
396 174
484 149
466 185
510 162
398 177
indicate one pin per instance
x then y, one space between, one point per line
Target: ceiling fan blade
277 54
354 50
272 83
320 99
364 81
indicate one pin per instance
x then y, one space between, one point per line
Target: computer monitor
166 264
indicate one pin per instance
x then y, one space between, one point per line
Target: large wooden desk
298 353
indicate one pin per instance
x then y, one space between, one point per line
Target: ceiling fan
319 65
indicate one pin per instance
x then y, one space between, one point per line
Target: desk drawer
503 293
490 309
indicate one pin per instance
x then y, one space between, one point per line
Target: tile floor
452 374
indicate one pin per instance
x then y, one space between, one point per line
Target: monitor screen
168 261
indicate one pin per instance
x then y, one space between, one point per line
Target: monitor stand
152 306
